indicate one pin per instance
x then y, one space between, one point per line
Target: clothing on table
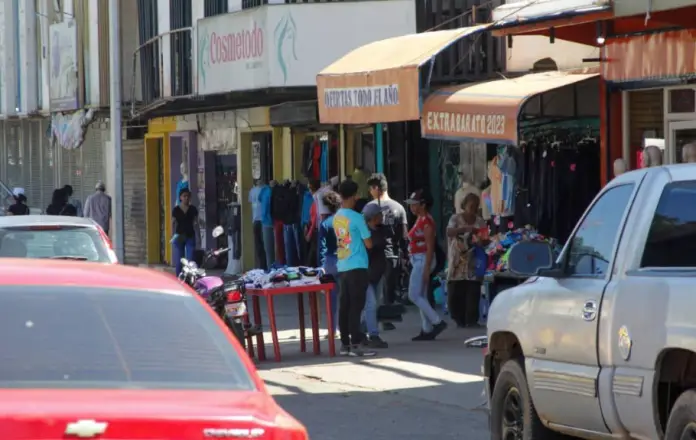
416 235
353 290
259 247
185 221
351 230
461 264
98 208
264 199
418 293
378 262
461 194
463 298
256 207
184 247
394 218
372 297
268 244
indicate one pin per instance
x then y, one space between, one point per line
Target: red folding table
270 294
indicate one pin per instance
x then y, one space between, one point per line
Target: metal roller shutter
93 169
83 167
135 239
646 110
48 164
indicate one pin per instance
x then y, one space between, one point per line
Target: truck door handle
589 310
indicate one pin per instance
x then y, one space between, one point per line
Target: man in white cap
98 207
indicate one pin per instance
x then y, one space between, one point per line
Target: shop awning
379 82
488 111
572 20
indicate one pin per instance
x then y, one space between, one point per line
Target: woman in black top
184 225
59 204
19 207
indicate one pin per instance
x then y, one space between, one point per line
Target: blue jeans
418 293
269 244
374 291
331 269
292 237
183 249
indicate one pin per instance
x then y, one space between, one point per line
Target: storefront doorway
680 134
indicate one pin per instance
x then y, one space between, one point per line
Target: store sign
287 45
362 96
63 73
465 124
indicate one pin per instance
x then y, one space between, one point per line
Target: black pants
259 251
463 299
353 290
391 280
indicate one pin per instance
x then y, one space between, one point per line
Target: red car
117 352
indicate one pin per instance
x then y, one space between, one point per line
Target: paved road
409 391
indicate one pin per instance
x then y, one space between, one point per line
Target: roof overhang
381 81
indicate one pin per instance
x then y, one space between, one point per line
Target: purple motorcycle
227 297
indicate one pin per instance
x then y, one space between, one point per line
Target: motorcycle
227 297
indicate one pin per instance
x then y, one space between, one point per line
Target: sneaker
423 336
357 351
345 350
376 342
386 326
439 328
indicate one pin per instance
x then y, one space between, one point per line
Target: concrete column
29 86
163 26
8 83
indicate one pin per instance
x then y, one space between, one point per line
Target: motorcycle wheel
237 330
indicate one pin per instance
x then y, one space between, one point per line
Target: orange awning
379 82
488 111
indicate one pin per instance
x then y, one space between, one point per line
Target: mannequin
619 167
466 189
256 217
689 153
183 182
652 156
501 172
234 231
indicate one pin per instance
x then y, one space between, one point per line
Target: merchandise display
281 276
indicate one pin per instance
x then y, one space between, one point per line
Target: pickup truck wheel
513 416
682 419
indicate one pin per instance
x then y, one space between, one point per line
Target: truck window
672 237
591 248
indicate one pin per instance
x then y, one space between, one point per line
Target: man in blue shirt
353 239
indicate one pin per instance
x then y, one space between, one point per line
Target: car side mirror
528 258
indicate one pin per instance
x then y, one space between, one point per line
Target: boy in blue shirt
353 239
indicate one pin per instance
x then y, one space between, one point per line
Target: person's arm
365 233
88 210
323 248
429 233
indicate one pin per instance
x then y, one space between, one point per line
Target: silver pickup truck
601 341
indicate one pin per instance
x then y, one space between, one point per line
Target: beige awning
488 111
379 82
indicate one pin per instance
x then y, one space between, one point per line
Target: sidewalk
443 371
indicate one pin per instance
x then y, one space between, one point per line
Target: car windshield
77 337
73 242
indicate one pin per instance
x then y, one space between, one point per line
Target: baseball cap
418 196
371 210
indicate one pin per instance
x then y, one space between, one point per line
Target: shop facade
538 135
250 111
